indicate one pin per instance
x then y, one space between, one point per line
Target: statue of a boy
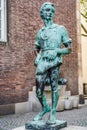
49 50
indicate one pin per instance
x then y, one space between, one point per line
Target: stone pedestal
43 125
66 128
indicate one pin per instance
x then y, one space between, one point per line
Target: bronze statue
49 50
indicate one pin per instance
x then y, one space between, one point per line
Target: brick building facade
17 71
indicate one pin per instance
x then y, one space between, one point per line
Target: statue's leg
55 92
41 96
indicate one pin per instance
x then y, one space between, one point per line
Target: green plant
84 15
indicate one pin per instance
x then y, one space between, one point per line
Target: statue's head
47 10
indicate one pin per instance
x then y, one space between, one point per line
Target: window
3 21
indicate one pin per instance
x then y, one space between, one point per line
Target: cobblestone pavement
76 117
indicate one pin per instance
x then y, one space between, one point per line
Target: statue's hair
43 5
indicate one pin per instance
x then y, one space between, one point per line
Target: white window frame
3 30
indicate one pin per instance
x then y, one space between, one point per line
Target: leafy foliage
84 14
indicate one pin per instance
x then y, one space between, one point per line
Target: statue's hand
52 55
63 51
37 59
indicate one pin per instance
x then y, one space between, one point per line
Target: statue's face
48 12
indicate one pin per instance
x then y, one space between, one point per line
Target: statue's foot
52 117
42 113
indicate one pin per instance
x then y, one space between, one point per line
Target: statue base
42 125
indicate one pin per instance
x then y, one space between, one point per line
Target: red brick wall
17 71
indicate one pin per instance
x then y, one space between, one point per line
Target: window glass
3 21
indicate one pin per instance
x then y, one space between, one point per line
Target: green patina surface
52 43
49 47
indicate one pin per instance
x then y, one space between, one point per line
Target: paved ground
77 117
